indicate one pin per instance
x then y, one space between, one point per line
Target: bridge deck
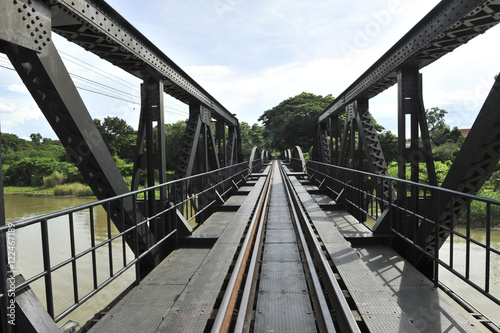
390 294
179 295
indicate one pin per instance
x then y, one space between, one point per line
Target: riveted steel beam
98 28
449 25
474 164
26 23
48 81
411 105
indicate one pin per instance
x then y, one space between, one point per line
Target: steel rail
345 317
320 304
449 25
223 319
248 294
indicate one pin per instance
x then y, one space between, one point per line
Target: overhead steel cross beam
98 28
449 25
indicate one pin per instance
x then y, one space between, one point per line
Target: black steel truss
410 102
324 151
50 85
25 36
477 159
98 28
449 25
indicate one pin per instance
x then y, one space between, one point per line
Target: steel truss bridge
218 229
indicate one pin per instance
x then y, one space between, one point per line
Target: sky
251 55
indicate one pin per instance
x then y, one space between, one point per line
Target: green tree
389 143
252 136
11 142
119 137
174 136
36 137
446 142
292 122
436 124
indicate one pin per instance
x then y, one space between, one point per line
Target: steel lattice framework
449 25
26 28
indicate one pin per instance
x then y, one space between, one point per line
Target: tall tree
252 136
174 136
119 137
36 137
291 123
446 142
436 124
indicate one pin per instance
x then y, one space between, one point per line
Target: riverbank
71 189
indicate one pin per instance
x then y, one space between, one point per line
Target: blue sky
251 55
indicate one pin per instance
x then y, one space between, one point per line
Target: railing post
47 267
6 327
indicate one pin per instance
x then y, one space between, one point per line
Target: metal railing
422 217
193 196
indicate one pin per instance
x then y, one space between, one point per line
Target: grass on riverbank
73 189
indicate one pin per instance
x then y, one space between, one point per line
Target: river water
29 259
29 253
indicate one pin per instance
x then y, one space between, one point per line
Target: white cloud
17 112
18 88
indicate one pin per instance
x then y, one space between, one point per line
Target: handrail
354 189
211 185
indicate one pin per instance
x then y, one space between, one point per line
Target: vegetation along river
29 258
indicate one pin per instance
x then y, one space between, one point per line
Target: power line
107 95
12 69
169 106
97 70
103 85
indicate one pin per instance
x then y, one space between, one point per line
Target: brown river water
29 258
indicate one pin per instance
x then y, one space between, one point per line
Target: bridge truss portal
346 136
26 28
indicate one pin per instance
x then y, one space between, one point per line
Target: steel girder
358 113
234 151
98 28
410 103
150 149
221 139
211 154
48 81
477 159
348 142
190 142
449 25
322 146
368 134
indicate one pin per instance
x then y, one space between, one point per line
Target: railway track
282 280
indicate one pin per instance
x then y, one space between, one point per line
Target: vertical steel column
190 143
410 104
331 123
374 156
150 148
48 81
322 145
2 198
233 146
221 139
347 146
